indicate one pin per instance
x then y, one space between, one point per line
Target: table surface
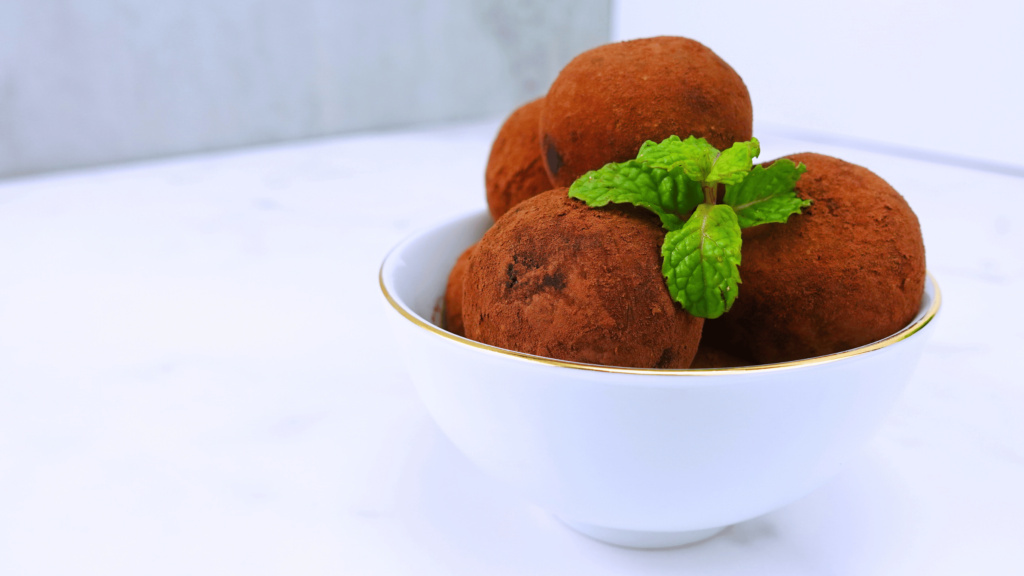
195 378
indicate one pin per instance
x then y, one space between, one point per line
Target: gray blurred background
90 82
96 81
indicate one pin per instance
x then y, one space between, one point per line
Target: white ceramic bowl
639 457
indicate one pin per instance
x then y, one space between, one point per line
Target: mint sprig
701 252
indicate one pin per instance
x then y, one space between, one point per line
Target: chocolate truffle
515 171
556 278
453 294
608 101
846 272
709 357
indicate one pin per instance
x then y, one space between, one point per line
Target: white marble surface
194 379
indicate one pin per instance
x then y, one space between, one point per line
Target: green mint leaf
701 261
735 163
694 155
667 193
767 195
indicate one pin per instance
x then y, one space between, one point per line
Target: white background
943 76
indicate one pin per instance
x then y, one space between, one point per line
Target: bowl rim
902 334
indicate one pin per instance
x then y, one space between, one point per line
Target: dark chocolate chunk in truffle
551 155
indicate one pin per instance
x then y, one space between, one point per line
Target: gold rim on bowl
903 334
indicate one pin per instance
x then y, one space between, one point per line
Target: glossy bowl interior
639 457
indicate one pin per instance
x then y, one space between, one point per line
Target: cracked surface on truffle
846 272
608 101
515 170
556 278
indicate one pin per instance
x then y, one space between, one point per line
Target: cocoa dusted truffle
608 101
514 170
848 271
453 294
558 279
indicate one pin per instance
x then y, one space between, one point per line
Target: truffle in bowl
645 458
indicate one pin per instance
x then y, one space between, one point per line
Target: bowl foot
641 538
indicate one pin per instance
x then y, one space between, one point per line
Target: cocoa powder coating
453 294
556 278
608 101
515 171
846 272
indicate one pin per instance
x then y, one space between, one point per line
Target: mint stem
710 193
